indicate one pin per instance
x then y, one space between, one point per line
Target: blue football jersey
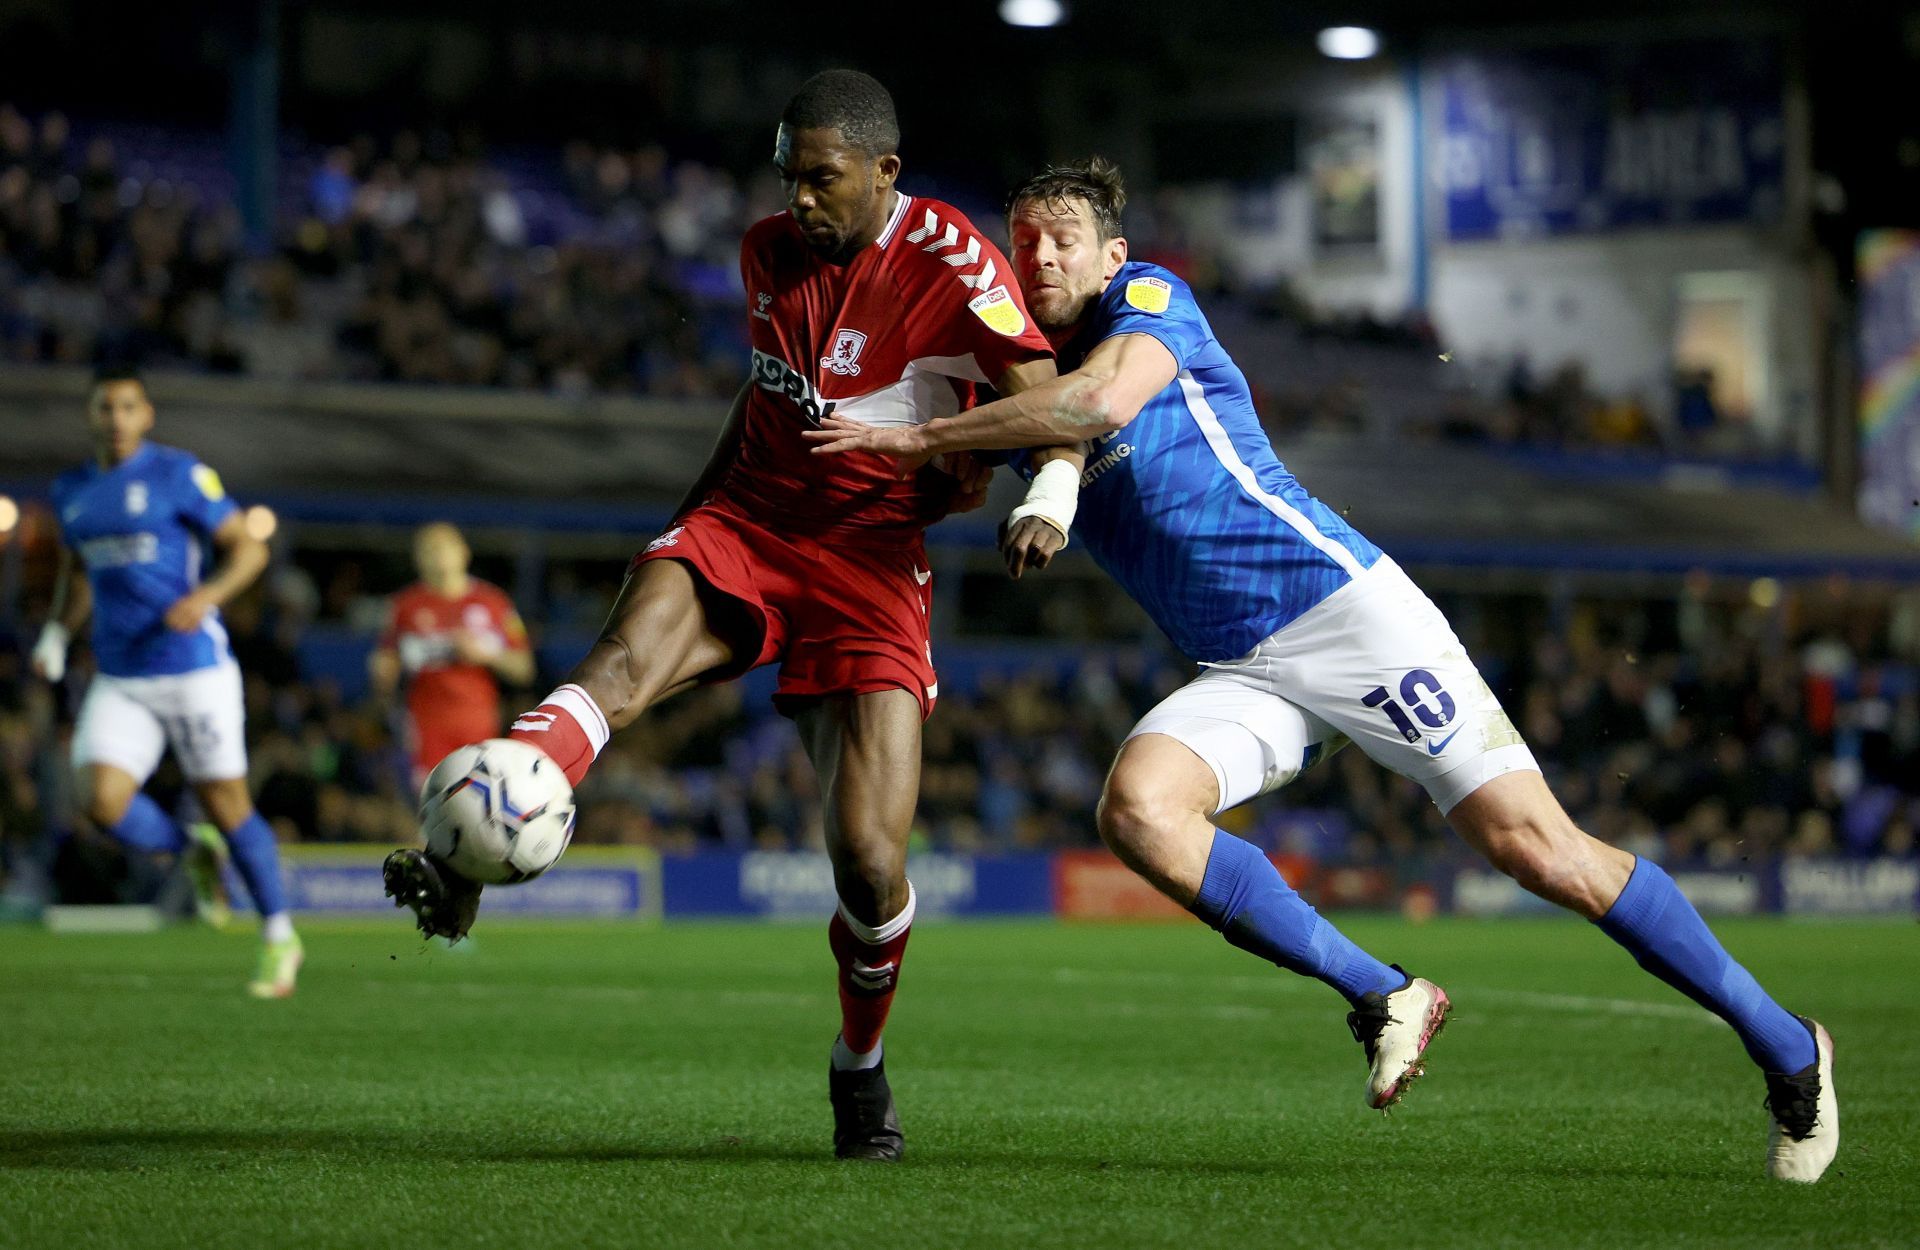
1187 507
141 529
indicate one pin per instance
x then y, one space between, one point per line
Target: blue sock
146 827
256 856
1250 903
1663 932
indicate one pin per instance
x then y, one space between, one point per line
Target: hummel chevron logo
978 281
869 978
961 259
923 576
933 223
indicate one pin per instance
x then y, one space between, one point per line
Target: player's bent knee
106 794
106 809
872 881
1135 816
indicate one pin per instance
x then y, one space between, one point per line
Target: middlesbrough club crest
845 354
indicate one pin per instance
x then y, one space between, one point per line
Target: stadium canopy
389 455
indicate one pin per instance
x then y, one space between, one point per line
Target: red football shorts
840 619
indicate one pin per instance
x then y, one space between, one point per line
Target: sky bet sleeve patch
209 483
1002 313
1149 295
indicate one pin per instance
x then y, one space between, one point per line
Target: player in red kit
860 300
453 638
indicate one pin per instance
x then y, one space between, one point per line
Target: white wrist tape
50 652
1054 497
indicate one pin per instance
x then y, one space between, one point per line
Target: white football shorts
128 721
1374 663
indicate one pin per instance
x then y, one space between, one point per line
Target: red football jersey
899 335
444 695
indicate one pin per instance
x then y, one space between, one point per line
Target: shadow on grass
130 1149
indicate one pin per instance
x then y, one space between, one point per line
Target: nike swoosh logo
923 578
1434 748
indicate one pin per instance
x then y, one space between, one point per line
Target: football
499 812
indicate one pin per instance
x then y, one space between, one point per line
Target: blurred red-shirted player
453 638
859 300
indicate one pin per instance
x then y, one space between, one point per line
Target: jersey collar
902 201
139 456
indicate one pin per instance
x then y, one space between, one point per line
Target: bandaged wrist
50 652
1054 496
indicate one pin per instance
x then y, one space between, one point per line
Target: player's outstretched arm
242 559
72 604
1104 394
726 449
510 664
383 671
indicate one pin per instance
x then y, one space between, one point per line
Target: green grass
1060 1086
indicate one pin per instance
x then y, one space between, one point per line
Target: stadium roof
398 455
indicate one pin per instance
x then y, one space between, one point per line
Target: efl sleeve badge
1149 295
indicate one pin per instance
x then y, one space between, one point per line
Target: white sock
277 928
845 1060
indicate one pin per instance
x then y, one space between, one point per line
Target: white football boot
1806 1115
1395 1029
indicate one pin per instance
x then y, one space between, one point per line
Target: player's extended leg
256 856
664 633
116 745
1156 815
866 750
1515 822
659 640
113 802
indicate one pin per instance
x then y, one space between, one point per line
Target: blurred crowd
597 269
417 260
1697 734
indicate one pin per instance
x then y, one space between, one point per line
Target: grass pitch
1060 1086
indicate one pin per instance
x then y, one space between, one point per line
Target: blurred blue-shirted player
1308 637
134 522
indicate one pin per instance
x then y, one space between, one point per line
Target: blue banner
1713 891
1834 887
636 884
591 882
1563 140
800 886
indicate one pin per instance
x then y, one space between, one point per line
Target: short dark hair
1095 180
106 374
853 103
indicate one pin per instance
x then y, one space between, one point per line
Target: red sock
569 726
869 961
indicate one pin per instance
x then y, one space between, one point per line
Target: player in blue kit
1309 637
134 522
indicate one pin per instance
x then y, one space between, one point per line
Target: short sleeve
203 499
995 324
1162 307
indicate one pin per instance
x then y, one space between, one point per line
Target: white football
499 811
